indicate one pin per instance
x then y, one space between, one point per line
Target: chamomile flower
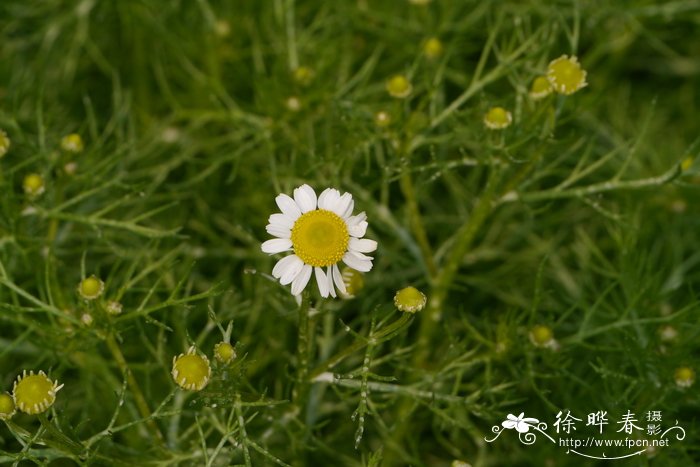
7 406
498 118
354 282
33 185
72 143
321 232
432 48
191 371
224 352
399 86
540 88
543 337
566 75
34 394
410 300
91 287
684 376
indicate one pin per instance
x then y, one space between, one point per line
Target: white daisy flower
321 232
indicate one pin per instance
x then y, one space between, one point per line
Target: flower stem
463 241
416 220
141 403
302 386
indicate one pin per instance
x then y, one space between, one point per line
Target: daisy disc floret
72 143
7 406
224 352
34 393
91 287
321 231
410 300
566 75
191 371
399 86
540 88
497 118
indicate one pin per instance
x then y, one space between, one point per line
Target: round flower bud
72 143
91 287
684 376
4 143
224 352
399 86
432 48
34 394
543 337
86 318
33 185
566 75
114 307
382 119
191 371
70 168
303 75
668 333
354 282
7 406
410 300
497 118
293 104
540 88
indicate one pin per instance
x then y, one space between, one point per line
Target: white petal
276 245
301 280
277 231
349 209
354 220
358 230
288 206
305 197
341 205
323 198
328 198
362 245
283 264
329 276
322 281
281 220
338 279
354 262
292 271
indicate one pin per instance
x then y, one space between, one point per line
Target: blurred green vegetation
577 217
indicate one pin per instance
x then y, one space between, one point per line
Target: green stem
463 241
302 386
416 220
141 403
382 335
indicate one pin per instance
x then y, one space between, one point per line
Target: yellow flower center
7 406
224 352
320 238
34 393
409 300
566 75
498 118
399 86
91 287
540 87
541 335
191 371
